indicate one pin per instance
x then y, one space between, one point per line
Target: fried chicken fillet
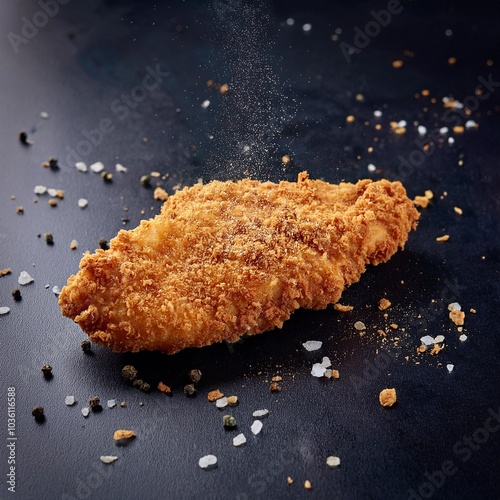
231 258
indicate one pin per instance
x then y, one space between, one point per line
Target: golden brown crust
231 258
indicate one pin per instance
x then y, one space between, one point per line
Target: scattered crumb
285 159
307 484
123 434
350 119
429 194
274 387
421 201
445 237
73 245
473 311
436 349
387 397
164 388
289 480
160 194
214 395
335 374
4 272
232 400
342 308
458 129
457 317
458 210
384 304
359 325
277 378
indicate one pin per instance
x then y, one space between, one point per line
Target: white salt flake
402 124
108 459
454 306
44 115
450 368
120 168
462 337
318 370
208 462
56 290
70 400
421 130
260 413
81 166
4 310
97 167
333 461
111 403
82 202
24 278
377 113
470 124
290 21
325 362
427 340
40 189
443 130
451 140
439 339
221 402
307 27
359 325
85 411
239 440
371 167
205 104
312 345
52 191
256 427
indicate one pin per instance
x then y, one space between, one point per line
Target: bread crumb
160 194
214 395
384 304
421 201
457 317
429 194
232 400
274 387
387 397
458 210
224 88
473 311
289 480
123 434
445 237
4 272
398 63
277 378
335 374
164 388
307 484
342 308
436 349
458 129
421 349
350 119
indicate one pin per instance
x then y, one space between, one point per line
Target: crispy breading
231 258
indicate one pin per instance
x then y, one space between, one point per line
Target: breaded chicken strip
231 258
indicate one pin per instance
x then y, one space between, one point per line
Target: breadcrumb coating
231 258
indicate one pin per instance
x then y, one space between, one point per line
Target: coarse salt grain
377 113
443 130
454 306
462 337
307 27
81 166
56 290
427 340
221 402
205 104
325 362
312 345
260 413
44 115
372 167
422 130
239 440
470 124
318 370
24 278
40 189
120 168
82 202
333 461
256 427
450 368
451 140
111 403
85 411
4 310
97 167
208 462
439 339
290 21
108 459
69 400
359 325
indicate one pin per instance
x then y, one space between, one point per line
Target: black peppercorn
86 345
38 413
194 375
189 390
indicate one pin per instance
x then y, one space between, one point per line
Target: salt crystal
40 189
307 27
443 130
82 202
371 167
120 168
56 290
4 310
239 440
111 403
208 462
439 339
97 167
260 413
52 191
333 461
221 402
325 362
451 140
256 427
421 130
377 113
454 306
318 370
462 337
80 166
470 124
290 21
450 368
312 345
359 325
205 104
85 411
70 400
108 459
24 278
402 124
44 115
427 340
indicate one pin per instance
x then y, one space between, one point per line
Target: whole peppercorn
228 421
86 345
189 390
103 243
49 239
106 176
95 403
16 294
23 137
129 372
138 382
38 413
145 387
146 181
47 371
194 375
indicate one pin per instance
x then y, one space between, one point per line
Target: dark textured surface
290 92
